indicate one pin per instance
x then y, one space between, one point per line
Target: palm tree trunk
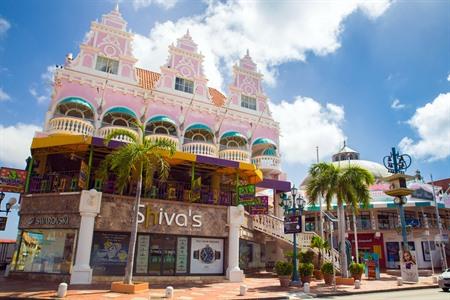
134 228
342 251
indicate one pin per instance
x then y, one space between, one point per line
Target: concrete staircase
274 227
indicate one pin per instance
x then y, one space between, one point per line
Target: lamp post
291 205
397 164
438 220
9 204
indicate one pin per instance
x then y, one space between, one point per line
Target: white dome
377 170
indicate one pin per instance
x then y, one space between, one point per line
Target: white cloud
448 77
166 4
296 28
397 105
46 80
4 26
305 124
4 96
432 123
15 142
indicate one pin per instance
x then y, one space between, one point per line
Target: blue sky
370 74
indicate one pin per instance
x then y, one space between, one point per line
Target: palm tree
132 162
348 184
320 244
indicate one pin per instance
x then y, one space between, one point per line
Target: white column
235 220
90 202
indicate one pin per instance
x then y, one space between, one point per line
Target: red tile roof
148 79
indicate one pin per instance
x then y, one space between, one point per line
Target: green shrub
306 269
327 268
307 257
356 269
283 268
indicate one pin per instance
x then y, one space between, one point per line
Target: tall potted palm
320 244
135 162
349 185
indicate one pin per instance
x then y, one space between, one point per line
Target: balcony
200 148
105 130
236 154
70 125
267 162
164 137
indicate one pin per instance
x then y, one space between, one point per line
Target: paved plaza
263 287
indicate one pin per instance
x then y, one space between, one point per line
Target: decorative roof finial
345 143
117 6
248 52
187 32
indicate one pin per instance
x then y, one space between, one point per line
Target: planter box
344 281
137 287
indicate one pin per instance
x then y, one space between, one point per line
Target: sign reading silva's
12 180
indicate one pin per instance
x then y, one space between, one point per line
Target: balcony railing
235 154
55 182
266 162
200 148
163 137
70 125
105 130
166 190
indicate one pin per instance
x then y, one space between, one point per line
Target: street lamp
9 204
291 205
397 164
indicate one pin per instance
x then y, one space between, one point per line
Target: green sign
246 191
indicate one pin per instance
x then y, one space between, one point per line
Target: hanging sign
292 224
262 208
12 180
82 178
246 191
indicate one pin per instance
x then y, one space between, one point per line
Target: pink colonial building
75 226
101 89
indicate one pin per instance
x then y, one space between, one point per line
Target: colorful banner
196 189
12 180
82 178
262 208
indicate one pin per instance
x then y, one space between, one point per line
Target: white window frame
183 86
106 67
245 102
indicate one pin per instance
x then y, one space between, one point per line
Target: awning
121 110
262 141
79 101
199 127
231 134
161 119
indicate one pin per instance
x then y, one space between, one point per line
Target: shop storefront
369 243
174 238
47 235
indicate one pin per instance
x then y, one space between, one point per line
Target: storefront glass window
109 253
46 251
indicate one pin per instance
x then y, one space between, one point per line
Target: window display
46 251
109 253
206 256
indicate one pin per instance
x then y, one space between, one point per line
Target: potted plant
284 272
327 271
321 245
356 270
306 271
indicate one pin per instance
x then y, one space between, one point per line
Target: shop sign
206 256
161 217
12 180
246 191
48 220
142 254
3 221
262 208
408 266
182 255
292 224
82 178
372 265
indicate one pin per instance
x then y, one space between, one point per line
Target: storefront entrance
162 254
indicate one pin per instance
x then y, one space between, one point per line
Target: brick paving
265 287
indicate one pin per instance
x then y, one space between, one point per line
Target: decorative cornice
109 29
175 50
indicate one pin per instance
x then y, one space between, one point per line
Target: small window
248 102
107 65
184 85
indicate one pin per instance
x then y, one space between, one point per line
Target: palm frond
117 132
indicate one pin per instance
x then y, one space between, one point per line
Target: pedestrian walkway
265 287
